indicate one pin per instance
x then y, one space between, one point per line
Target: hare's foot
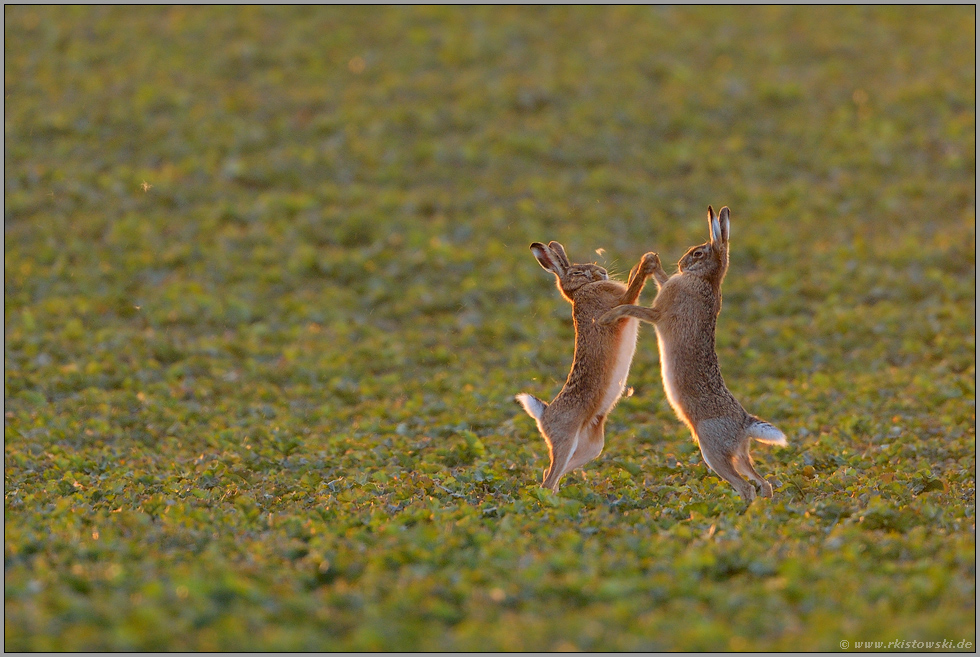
653 267
650 265
614 315
590 443
723 463
762 488
641 313
743 463
562 446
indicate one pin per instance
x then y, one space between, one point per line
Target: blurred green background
268 296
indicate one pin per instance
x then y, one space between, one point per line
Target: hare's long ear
723 219
714 229
548 259
560 252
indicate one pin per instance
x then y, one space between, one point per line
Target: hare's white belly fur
667 371
620 366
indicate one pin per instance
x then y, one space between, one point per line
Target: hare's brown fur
573 423
684 314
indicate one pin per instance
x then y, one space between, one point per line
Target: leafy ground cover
267 298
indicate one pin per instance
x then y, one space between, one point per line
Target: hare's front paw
611 317
650 264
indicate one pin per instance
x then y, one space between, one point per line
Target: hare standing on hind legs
573 424
684 315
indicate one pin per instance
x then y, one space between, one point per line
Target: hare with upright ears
573 423
684 315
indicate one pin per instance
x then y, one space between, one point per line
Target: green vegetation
264 401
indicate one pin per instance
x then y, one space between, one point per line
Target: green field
268 297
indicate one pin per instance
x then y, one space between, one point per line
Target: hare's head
570 277
710 260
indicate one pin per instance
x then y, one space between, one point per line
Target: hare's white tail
534 406
765 433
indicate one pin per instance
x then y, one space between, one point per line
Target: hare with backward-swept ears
573 423
684 315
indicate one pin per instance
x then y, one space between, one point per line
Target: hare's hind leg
714 438
590 442
743 463
562 443
561 452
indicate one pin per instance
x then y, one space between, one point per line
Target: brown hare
573 423
684 315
